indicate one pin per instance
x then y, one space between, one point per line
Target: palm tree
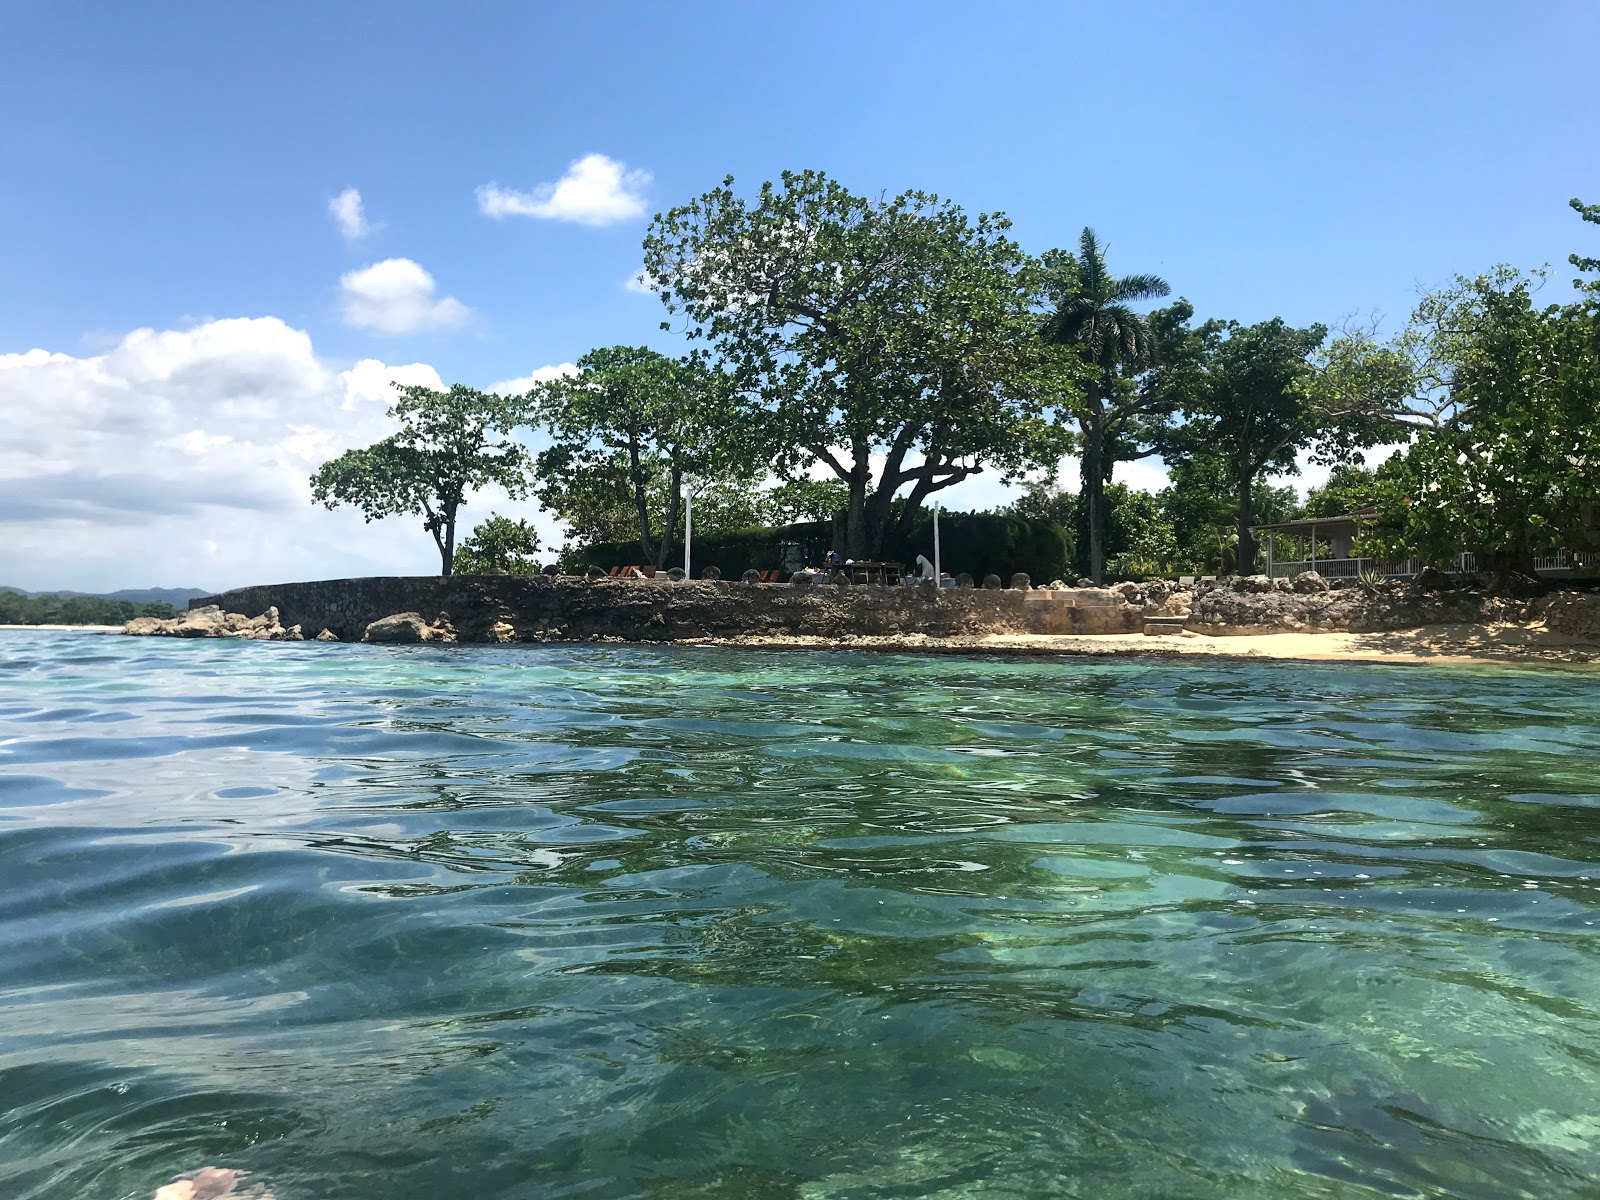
1091 311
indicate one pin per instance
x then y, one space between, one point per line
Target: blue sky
172 166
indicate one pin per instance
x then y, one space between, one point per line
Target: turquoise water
605 921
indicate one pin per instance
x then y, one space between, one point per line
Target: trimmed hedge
979 543
991 544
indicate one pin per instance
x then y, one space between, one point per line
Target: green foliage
991 543
1350 489
1511 469
449 445
897 329
1140 540
500 546
1091 311
1202 504
1584 263
807 500
1252 404
17 609
627 431
733 552
1046 500
978 543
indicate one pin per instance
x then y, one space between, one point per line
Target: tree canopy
1510 469
1091 310
628 429
499 545
1249 405
892 340
450 444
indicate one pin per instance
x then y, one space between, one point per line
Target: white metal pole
937 575
688 530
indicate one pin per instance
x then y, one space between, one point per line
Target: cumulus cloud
525 383
642 282
397 296
349 214
182 458
596 190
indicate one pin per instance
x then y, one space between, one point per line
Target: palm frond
1139 287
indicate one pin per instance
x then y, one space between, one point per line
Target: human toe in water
204 1184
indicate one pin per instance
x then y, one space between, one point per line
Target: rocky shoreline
503 610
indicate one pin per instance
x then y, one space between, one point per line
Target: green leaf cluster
893 340
450 443
499 546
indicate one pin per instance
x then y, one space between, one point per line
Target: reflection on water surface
595 921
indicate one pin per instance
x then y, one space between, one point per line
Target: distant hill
177 597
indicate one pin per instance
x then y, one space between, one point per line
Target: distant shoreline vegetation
50 609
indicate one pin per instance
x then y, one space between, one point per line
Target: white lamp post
689 489
938 576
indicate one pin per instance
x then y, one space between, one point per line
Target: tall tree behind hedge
892 340
627 430
1249 406
1092 310
1513 469
450 444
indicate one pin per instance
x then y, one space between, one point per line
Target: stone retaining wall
484 608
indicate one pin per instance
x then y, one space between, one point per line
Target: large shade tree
628 430
1251 403
891 339
450 444
1511 471
1092 309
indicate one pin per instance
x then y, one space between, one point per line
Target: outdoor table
873 570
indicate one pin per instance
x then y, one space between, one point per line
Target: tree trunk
447 551
1092 488
1244 558
641 502
674 505
1092 482
857 535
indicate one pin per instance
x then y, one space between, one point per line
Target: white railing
1567 561
1464 564
1346 568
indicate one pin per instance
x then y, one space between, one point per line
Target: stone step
1165 627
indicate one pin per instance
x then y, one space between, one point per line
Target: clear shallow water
597 921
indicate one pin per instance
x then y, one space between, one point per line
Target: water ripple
620 921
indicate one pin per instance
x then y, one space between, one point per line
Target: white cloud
525 383
181 458
349 214
596 190
642 282
397 296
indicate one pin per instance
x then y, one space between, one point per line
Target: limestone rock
502 632
209 621
150 627
327 635
398 629
1309 583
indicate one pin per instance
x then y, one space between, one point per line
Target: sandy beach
1520 644
1463 643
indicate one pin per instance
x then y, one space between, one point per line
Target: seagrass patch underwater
611 921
